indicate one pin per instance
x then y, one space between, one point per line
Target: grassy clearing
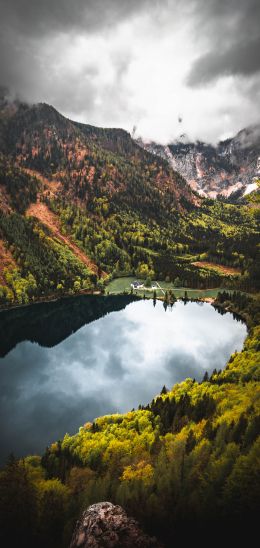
119 285
225 270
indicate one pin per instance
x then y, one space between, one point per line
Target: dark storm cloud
89 59
241 59
44 16
233 32
33 35
115 368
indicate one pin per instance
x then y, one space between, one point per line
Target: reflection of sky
111 365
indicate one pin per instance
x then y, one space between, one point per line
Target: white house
137 285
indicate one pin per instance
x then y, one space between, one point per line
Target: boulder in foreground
107 525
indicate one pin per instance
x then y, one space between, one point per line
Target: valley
129 273
96 196
84 213
123 285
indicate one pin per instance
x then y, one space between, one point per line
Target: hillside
79 204
230 167
91 162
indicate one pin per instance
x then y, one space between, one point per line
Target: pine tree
206 377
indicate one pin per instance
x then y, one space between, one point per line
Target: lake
66 362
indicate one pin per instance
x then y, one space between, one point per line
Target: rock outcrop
108 526
232 167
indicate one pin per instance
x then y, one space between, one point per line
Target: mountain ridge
40 138
229 167
78 202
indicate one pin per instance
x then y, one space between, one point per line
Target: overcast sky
148 63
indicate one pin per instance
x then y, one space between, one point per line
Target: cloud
46 392
241 59
34 17
119 63
233 37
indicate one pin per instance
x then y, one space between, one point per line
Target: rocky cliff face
107 525
231 166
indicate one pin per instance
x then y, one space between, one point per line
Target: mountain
68 192
232 166
90 162
81 204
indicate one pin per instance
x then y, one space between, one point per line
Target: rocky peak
219 170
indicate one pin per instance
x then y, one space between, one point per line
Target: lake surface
65 363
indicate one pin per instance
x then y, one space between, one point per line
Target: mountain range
80 204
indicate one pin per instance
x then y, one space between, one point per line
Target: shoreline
232 310
49 299
54 298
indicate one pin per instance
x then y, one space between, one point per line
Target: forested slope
123 209
187 465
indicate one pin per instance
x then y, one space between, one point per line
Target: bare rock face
232 167
106 525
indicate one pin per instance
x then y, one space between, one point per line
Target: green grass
118 285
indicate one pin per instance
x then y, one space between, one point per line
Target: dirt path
43 213
6 260
161 289
222 268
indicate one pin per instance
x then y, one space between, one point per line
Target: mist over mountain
232 167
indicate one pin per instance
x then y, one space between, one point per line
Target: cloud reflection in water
110 365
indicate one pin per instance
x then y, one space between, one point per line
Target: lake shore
55 298
121 286
61 358
49 299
